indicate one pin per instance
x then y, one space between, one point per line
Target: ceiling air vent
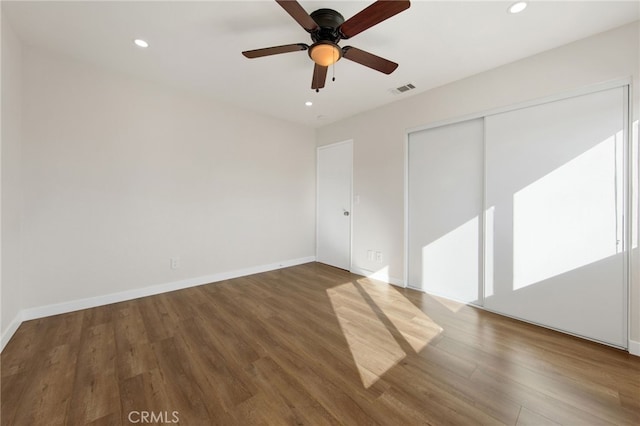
402 89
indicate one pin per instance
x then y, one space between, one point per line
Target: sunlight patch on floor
372 346
379 325
414 325
452 305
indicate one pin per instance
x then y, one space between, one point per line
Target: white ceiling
197 45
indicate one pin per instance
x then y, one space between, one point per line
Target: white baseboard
10 331
378 275
92 302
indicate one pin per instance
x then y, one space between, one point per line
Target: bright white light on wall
308 103
573 206
518 7
140 43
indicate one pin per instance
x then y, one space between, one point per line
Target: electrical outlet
379 256
175 262
370 255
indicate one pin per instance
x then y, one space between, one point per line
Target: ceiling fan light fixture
325 53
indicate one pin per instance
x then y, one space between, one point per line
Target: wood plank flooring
308 345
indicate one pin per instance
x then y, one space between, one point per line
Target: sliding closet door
554 215
445 210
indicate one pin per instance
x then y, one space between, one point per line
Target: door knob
346 213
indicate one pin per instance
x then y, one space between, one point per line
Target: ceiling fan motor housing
329 22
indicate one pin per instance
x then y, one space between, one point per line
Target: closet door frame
628 184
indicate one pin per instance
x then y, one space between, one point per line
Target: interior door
335 163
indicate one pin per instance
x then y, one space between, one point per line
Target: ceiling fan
327 27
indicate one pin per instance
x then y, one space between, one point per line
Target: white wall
120 175
379 135
10 280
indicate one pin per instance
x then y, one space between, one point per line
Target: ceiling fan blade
372 15
319 76
298 13
369 60
276 50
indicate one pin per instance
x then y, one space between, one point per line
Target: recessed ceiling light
308 103
518 7
140 43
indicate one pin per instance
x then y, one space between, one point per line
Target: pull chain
333 67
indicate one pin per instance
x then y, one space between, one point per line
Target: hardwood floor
308 345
